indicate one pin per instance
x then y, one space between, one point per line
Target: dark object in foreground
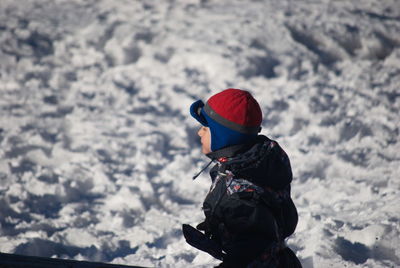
200 241
21 261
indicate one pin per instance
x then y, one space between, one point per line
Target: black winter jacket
249 211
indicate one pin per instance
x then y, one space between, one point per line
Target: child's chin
205 151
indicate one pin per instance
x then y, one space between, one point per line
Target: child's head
233 117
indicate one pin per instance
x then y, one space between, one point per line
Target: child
248 210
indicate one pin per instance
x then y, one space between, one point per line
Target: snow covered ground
98 148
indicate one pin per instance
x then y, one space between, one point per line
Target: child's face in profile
205 138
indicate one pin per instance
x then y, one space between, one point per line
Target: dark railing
22 261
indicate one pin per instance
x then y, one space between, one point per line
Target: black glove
200 241
204 226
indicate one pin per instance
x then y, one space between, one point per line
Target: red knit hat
235 109
233 116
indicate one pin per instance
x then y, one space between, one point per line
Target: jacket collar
230 151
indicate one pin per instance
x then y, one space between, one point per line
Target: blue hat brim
196 112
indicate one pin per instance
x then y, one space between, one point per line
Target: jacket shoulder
266 165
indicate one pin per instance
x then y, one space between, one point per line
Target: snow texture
98 147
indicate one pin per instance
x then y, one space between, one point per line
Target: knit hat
233 116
